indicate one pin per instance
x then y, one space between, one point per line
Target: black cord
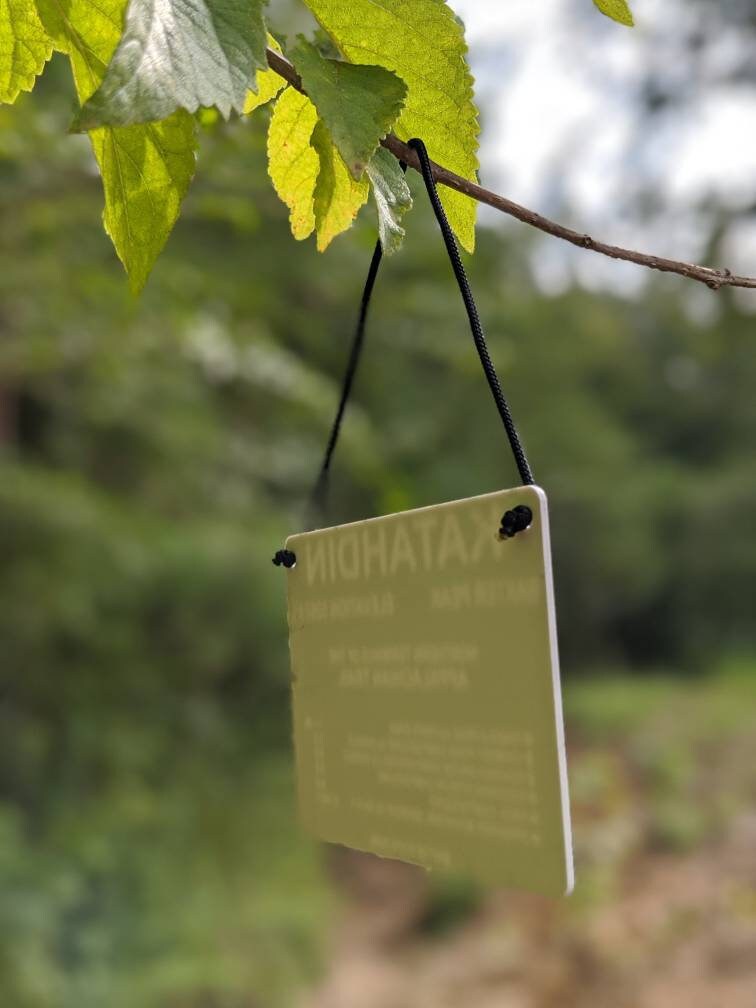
512 522
319 495
481 346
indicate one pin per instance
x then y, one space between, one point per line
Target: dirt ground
663 914
680 932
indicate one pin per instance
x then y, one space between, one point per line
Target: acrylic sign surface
427 706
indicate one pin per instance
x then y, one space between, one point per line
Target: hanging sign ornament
427 705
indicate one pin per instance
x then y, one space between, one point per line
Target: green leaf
422 42
617 10
146 170
179 55
337 196
25 47
293 163
268 84
88 32
392 198
358 104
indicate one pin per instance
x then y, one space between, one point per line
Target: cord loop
523 466
513 521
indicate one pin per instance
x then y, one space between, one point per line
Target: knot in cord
285 558
516 520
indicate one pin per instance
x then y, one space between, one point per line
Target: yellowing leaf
358 104
25 47
310 176
423 43
146 169
338 196
617 10
293 164
392 198
268 84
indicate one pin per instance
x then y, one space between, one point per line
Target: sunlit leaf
267 82
358 104
179 56
392 198
25 47
617 10
293 163
422 42
146 170
338 196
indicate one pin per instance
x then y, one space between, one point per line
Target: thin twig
713 278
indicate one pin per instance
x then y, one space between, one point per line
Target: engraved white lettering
402 552
374 549
452 545
348 556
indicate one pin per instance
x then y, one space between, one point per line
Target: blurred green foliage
153 455
659 765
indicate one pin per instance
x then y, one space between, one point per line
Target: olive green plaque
427 707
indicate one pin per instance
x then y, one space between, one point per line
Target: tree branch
713 278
